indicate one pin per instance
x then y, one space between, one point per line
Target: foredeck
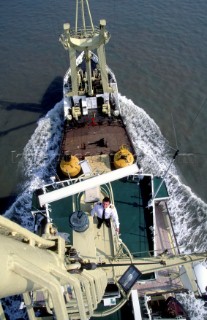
94 135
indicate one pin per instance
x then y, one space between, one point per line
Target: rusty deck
95 136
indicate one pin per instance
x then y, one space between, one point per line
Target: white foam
188 212
38 163
194 307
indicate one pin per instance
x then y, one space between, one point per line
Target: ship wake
195 307
187 211
37 164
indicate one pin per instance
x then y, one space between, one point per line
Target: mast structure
70 287
86 38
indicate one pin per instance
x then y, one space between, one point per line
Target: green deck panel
130 208
162 193
124 313
114 316
131 211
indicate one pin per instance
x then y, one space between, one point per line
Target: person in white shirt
104 211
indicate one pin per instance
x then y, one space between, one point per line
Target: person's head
106 202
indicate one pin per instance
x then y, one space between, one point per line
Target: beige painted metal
25 268
2 315
191 275
153 264
72 56
28 303
102 63
14 253
84 242
86 38
7 227
29 269
87 275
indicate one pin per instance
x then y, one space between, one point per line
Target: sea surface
158 53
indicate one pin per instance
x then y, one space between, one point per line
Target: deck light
130 276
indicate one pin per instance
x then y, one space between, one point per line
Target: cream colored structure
31 264
85 39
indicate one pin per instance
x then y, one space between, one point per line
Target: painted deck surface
132 215
100 245
160 188
97 243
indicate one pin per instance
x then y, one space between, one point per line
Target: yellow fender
123 158
70 167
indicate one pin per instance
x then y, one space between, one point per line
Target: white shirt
110 212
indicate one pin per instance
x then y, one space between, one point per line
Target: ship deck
166 280
136 220
94 135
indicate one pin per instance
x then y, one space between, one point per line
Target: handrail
88 32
